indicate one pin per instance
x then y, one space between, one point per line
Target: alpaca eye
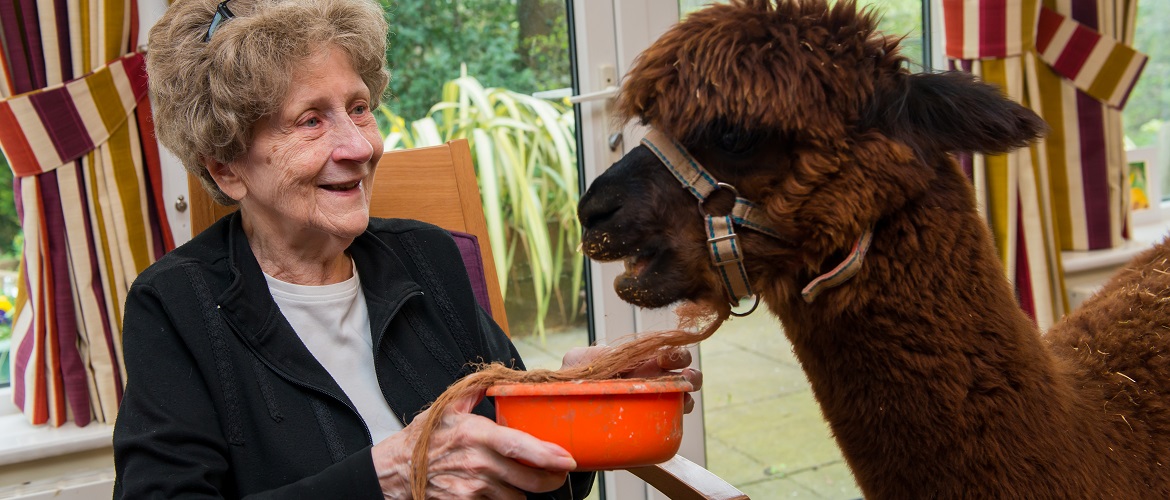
737 142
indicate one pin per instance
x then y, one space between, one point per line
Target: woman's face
308 172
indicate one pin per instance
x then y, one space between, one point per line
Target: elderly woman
287 350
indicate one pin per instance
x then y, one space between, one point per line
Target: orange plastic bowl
604 424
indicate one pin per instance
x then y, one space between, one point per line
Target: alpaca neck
924 360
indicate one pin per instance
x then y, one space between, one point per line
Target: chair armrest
682 479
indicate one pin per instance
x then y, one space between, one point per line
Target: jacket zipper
306 385
378 342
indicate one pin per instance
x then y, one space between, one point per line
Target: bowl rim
666 384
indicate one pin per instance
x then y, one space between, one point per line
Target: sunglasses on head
222 13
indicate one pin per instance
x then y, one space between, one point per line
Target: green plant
429 39
525 155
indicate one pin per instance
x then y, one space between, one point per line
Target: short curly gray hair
208 95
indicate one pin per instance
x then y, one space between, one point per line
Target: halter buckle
715 240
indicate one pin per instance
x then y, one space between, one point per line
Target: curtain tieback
47 128
1096 64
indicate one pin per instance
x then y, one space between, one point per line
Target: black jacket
223 400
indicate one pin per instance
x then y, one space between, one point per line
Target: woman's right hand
471 457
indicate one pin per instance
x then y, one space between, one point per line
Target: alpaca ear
953 112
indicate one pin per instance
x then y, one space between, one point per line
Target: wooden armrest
682 479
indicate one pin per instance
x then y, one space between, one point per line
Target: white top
334 323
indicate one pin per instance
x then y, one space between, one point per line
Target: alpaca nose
597 205
612 189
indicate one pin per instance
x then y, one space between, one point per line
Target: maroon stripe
967 164
63 124
1024 285
73 371
993 28
1094 170
1074 55
135 67
1085 12
61 8
23 43
165 241
1046 28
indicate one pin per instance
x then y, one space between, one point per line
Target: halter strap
722 242
840 274
701 183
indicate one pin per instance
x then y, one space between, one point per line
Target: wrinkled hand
471 457
673 361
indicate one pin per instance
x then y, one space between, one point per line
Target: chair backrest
437 185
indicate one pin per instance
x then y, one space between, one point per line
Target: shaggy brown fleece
933 380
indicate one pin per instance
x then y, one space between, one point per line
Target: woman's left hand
672 361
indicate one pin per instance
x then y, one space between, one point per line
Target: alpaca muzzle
722 242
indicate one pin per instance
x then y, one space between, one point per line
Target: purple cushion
473 260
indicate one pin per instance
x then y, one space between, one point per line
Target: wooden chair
437 184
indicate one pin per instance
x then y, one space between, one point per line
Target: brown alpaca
934 382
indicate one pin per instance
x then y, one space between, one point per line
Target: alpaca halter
723 243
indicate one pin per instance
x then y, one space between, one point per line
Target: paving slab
741 376
765 432
778 488
833 481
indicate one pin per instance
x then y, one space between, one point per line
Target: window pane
468 69
10 245
1148 108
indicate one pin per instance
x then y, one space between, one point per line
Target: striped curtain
75 127
1069 61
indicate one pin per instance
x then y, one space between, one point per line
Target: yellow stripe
1131 70
1104 86
87 59
1051 105
114 29
1031 10
999 197
123 171
106 99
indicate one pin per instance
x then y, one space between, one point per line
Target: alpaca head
810 114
